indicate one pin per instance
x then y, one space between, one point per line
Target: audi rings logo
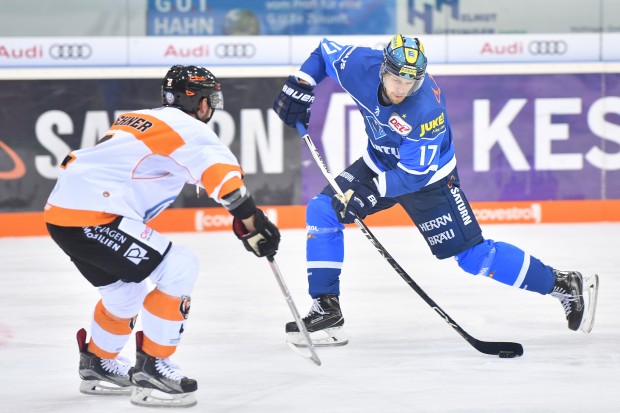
548 47
70 51
235 50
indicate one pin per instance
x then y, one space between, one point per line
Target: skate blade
155 398
104 388
590 295
330 337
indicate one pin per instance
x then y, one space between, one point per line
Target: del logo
399 125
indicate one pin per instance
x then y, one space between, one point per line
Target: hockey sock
109 332
163 320
539 277
324 247
507 264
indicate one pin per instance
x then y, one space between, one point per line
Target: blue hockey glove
358 203
264 240
293 102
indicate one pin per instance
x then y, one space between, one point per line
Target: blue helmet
404 57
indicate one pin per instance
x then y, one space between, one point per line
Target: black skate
102 376
324 323
158 381
578 296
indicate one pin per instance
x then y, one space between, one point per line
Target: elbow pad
240 203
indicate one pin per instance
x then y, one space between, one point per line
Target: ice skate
159 383
102 376
324 323
578 296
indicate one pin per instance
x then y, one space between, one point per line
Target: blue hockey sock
324 247
509 265
539 277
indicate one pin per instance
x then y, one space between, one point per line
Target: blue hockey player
410 161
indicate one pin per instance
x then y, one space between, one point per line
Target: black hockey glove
358 203
293 102
264 241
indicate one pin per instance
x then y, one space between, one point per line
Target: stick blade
501 349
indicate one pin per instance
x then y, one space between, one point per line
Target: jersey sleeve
324 62
212 164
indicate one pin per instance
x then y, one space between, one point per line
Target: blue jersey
409 144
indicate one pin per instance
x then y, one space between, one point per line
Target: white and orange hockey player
98 214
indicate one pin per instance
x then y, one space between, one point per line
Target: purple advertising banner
517 137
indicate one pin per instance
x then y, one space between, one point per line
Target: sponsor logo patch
399 125
135 254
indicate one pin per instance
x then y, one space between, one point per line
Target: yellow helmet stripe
397 41
411 55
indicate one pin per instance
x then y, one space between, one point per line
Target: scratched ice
402 356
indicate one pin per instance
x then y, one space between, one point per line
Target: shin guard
324 247
163 319
507 264
109 332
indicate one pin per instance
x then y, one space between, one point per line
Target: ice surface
402 357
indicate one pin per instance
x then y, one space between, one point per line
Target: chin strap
209 118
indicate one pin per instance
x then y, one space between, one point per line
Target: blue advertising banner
269 17
517 137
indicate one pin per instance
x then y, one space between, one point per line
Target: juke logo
70 51
548 47
235 50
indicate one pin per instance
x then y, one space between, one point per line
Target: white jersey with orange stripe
139 168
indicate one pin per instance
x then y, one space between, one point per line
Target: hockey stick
501 349
300 324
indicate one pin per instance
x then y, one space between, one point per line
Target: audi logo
70 51
235 50
548 47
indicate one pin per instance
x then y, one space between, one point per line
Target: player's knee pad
320 214
123 299
473 259
177 273
498 260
